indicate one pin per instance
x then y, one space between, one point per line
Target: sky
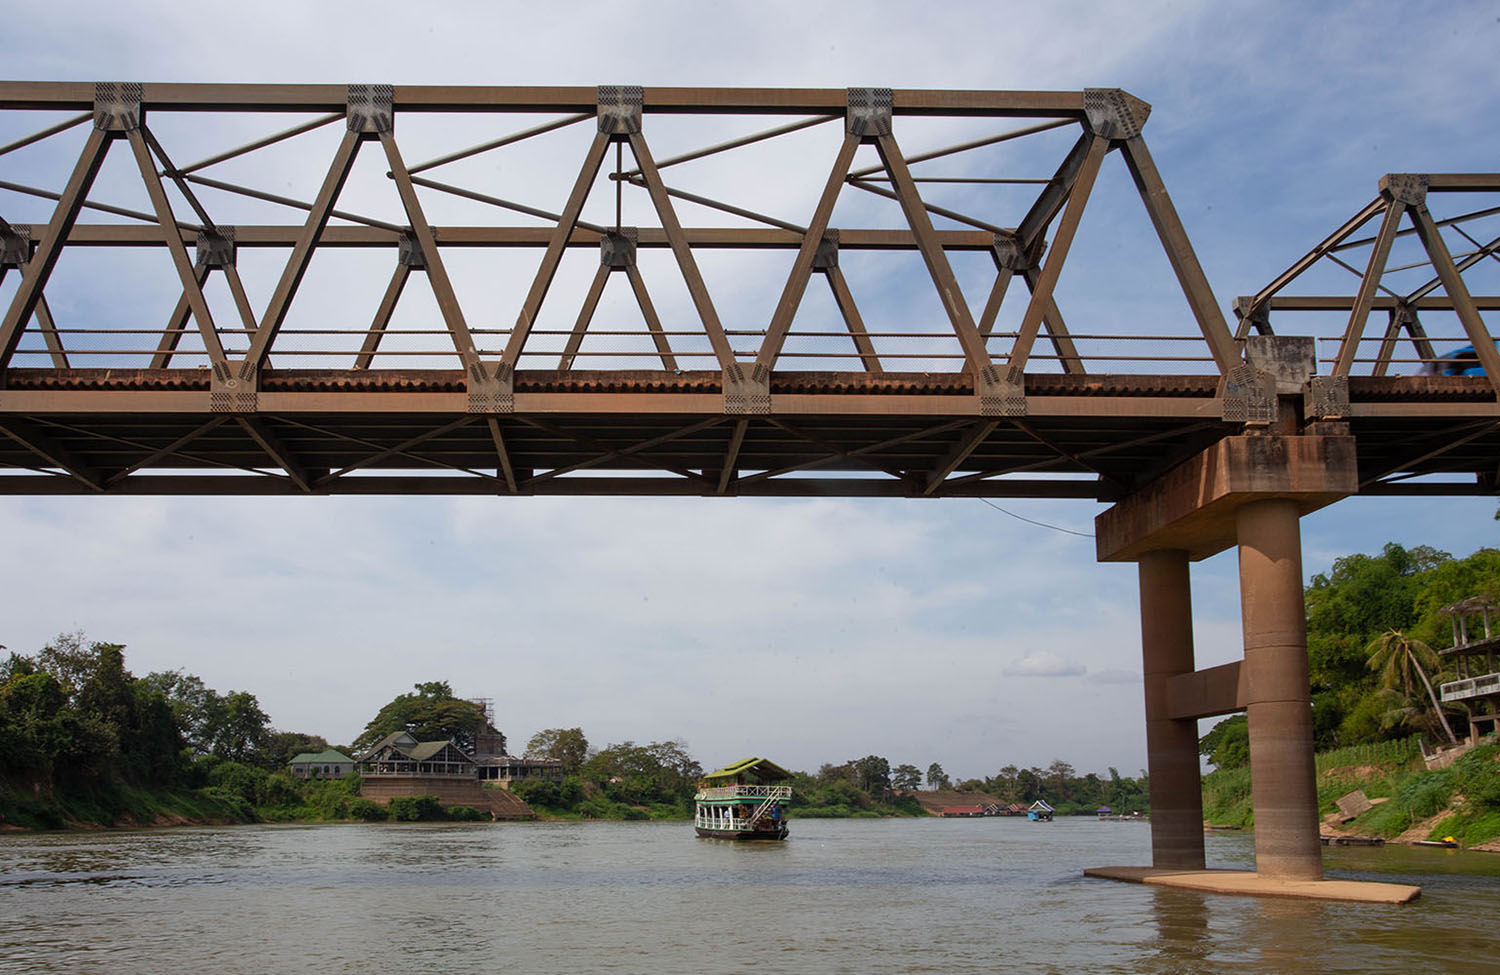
809 631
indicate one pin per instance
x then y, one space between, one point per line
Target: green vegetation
1374 625
432 713
624 781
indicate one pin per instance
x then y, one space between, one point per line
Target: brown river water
861 896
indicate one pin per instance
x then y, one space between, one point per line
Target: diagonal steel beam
1095 452
844 298
1055 327
635 458
54 453
1049 203
1180 255
382 319
1062 239
682 251
302 251
1359 316
587 173
623 453
1326 246
177 323
180 259
39 268
653 323
401 449
48 325
856 454
437 273
1463 302
585 315
966 445
168 450
796 283
507 470
276 450
941 272
1452 445
732 455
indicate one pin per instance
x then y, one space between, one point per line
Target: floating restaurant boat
1040 812
744 801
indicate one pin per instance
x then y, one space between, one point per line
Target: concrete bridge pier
1171 743
1274 689
1250 492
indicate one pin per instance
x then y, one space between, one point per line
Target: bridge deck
659 433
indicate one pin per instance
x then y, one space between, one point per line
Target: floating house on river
1040 812
744 801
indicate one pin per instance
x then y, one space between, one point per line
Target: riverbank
1409 802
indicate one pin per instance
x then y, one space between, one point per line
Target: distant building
401 754
327 764
963 812
505 769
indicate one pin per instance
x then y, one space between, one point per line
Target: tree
1061 774
432 713
566 745
873 774
1227 744
906 777
936 777
1008 783
1394 655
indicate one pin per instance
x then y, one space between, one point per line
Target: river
860 896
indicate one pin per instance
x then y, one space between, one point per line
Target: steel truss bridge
509 372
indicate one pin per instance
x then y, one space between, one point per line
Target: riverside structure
1202 437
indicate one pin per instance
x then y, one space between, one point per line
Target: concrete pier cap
1249 491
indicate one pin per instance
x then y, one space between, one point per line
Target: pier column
1275 690
1171 745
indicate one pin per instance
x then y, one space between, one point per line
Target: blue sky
811 631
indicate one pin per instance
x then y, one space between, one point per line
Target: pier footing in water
1260 885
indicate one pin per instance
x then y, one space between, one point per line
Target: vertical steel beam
1057 254
1368 285
39 268
802 267
1174 241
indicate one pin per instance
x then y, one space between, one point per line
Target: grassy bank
1411 801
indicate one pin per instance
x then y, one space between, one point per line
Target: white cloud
1044 663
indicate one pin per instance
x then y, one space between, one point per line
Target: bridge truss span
218 289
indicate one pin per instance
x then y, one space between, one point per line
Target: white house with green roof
330 763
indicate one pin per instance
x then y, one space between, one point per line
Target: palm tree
1395 655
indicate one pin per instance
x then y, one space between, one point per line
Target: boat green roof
764 766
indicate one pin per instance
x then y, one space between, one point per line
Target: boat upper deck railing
746 791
